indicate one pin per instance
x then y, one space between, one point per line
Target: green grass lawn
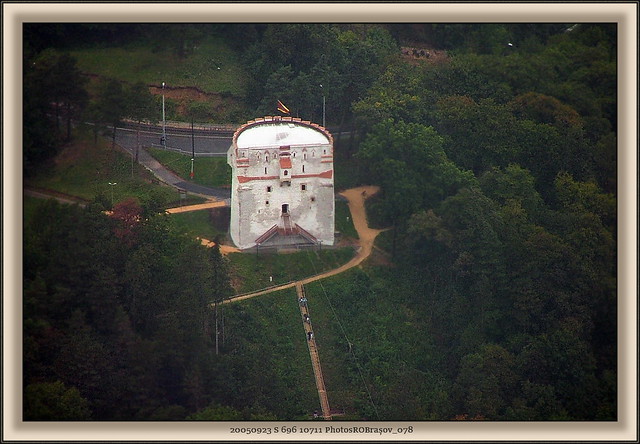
269 334
196 224
138 63
251 272
359 308
343 220
85 170
208 171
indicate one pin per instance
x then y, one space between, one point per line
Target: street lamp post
112 185
323 107
164 132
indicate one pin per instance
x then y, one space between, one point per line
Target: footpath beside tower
282 190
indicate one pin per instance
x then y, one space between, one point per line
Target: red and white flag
283 109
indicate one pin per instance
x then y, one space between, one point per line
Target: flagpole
323 107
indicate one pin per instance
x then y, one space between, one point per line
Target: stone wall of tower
268 181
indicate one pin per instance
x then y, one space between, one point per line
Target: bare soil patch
184 95
417 54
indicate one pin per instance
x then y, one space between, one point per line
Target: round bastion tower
282 184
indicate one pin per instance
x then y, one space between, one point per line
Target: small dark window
313 199
267 203
303 168
304 187
286 172
265 170
268 189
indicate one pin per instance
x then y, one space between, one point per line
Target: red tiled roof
245 179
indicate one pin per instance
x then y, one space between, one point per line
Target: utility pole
112 185
164 131
193 148
216 328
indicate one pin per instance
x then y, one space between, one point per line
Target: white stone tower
282 184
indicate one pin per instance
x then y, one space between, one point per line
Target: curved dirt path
196 207
224 249
367 235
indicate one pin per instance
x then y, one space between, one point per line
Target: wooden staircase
313 353
286 228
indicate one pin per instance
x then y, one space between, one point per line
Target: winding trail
367 235
197 207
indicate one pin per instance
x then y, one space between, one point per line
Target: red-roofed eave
245 179
324 175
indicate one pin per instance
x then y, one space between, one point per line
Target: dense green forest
496 299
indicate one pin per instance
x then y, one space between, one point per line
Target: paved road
206 143
127 140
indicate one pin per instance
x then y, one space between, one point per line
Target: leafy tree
605 163
52 82
586 196
463 75
53 401
397 94
112 105
141 106
479 134
128 213
417 151
514 183
216 413
485 382
545 109
564 361
60 82
537 402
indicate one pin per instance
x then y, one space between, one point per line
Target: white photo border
625 14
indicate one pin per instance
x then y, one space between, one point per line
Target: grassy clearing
365 331
29 205
333 347
384 240
138 63
196 224
208 171
268 331
251 272
85 170
344 223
